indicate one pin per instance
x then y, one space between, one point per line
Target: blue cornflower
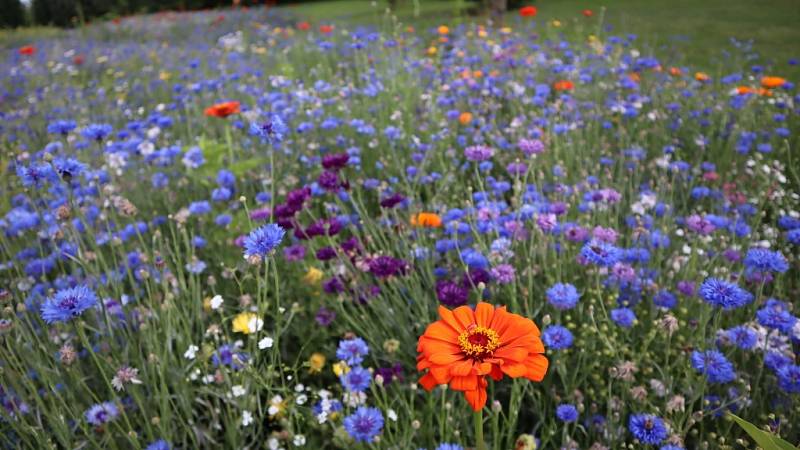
776 361
647 428
97 131
789 378
600 253
665 299
763 260
193 158
226 355
68 167
743 337
160 444
263 240
623 317
61 127
714 365
563 296
566 413
775 314
448 446
101 413
36 174
352 351
670 447
272 130
67 304
357 379
726 295
364 424
199 208
557 337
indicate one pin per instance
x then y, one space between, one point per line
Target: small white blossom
265 343
247 418
216 302
191 352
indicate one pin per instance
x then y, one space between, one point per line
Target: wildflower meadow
246 229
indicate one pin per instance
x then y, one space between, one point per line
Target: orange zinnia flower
563 85
465 117
223 109
528 11
465 346
772 82
27 50
427 220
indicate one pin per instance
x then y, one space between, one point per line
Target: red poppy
325 28
303 26
563 85
223 109
587 12
528 11
27 50
78 60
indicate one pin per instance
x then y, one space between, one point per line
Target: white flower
301 399
255 324
238 391
392 415
265 343
216 302
191 352
299 440
247 418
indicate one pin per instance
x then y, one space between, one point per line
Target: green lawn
694 32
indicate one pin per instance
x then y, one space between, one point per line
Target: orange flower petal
484 313
514 370
464 383
537 367
476 399
462 368
449 318
428 381
464 315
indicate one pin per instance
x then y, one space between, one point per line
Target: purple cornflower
101 413
386 266
352 351
531 146
364 424
335 161
563 296
478 153
451 294
503 273
325 316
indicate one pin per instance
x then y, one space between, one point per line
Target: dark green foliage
12 14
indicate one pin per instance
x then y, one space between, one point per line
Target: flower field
238 229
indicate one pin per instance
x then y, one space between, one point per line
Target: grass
690 32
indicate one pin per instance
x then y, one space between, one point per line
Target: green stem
480 444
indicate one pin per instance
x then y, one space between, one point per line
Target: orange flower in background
701 76
27 50
744 90
772 82
303 26
563 85
465 118
528 11
325 29
633 76
427 220
223 109
465 346
675 71
587 12
443 29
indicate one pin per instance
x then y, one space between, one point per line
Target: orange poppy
465 118
27 50
772 82
223 109
443 29
587 12
563 85
701 76
465 346
744 90
427 220
528 11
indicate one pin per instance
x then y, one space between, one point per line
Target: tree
12 14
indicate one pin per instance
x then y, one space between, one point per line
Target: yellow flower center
478 342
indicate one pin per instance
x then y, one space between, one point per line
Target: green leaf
763 439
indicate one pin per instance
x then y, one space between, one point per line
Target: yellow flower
164 75
432 50
207 304
505 30
316 362
556 23
313 276
340 367
247 323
